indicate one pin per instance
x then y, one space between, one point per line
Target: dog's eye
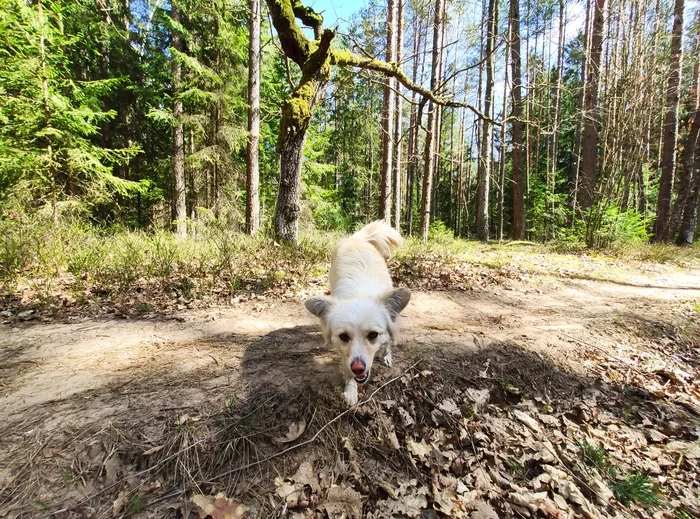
372 335
344 337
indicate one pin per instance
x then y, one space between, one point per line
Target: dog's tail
382 236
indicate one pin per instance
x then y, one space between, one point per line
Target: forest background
563 122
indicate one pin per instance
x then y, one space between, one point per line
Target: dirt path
48 363
89 373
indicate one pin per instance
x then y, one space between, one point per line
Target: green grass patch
594 455
630 489
43 260
637 488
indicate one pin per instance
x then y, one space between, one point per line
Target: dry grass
72 267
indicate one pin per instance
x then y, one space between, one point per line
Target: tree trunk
412 169
518 223
556 123
216 184
296 118
288 209
398 130
691 169
178 169
252 207
670 129
439 109
690 212
191 181
691 158
502 150
430 134
574 178
484 171
386 166
51 166
589 145
460 177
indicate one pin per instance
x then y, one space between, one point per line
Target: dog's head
359 327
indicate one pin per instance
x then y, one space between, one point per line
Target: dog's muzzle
359 369
362 379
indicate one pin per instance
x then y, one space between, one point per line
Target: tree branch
294 43
318 59
308 17
300 50
348 59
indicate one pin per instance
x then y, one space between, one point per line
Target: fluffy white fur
359 318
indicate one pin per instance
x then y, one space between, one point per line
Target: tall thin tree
688 205
590 114
485 153
431 129
398 124
518 220
670 127
252 206
386 167
414 124
179 210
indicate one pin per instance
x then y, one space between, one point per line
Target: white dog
360 314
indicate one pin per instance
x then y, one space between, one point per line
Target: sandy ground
55 376
46 364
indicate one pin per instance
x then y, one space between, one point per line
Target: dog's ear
396 300
319 305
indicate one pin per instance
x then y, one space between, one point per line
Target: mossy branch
318 64
315 58
349 59
294 44
308 17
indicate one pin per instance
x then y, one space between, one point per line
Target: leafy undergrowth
67 269
499 433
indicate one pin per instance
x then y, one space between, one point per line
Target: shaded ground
493 394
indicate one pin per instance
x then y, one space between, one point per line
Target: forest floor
554 386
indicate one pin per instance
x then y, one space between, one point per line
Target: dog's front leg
350 389
385 354
387 357
350 392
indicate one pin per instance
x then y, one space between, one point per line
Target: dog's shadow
289 359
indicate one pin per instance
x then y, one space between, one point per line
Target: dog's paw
350 393
388 360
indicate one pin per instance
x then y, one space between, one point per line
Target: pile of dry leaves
501 433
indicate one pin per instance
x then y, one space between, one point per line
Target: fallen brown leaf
295 430
219 507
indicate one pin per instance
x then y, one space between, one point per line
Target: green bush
614 228
439 233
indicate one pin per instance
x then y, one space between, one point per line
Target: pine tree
50 120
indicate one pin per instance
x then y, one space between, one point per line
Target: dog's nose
357 367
